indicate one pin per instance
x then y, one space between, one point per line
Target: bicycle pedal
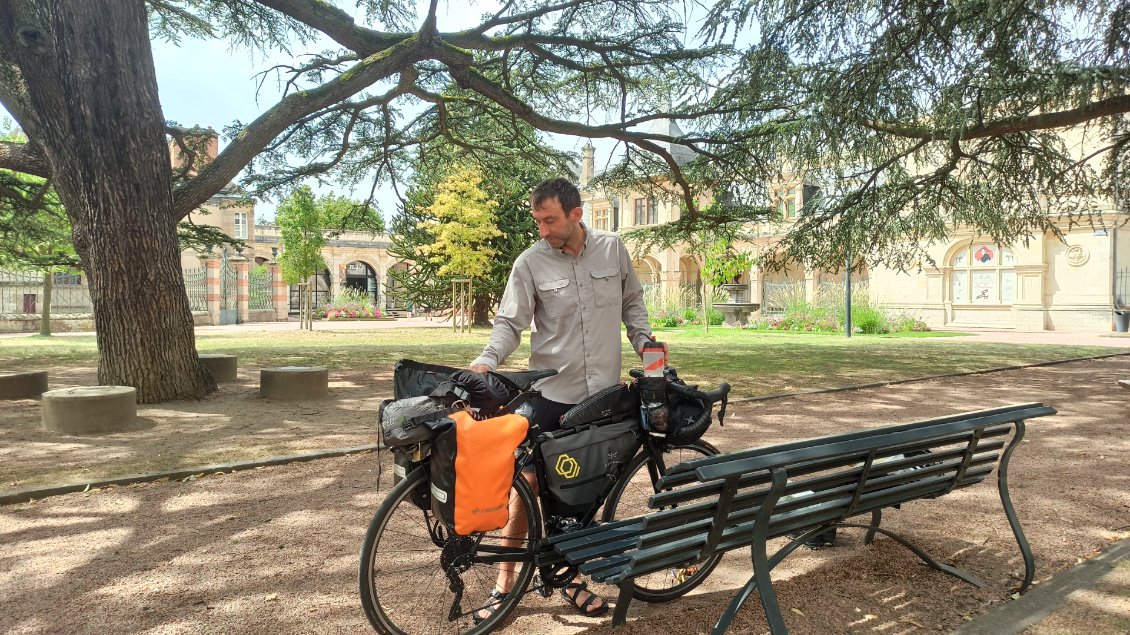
542 588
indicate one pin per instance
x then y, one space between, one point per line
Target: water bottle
654 358
653 387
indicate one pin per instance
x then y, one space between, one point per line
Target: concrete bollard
294 383
223 367
22 384
90 409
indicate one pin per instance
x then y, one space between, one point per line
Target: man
575 286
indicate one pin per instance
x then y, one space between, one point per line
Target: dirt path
275 550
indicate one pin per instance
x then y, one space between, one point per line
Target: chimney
587 164
203 142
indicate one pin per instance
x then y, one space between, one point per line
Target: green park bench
800 490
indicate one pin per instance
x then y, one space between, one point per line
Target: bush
716 317
351 303
905 323
869 320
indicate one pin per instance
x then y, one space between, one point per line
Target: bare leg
512 536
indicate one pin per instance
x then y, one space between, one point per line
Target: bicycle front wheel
628 499
418 577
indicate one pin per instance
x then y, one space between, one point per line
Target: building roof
682 154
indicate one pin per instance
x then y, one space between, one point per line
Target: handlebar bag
582 464
472 471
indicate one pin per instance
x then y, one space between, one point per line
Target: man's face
555 225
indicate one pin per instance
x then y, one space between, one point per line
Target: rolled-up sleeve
515 313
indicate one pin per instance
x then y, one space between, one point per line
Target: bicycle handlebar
712 396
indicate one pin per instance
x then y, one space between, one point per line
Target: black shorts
547 415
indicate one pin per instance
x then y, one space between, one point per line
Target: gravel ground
275 550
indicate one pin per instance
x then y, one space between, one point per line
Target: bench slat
840 447
1009 411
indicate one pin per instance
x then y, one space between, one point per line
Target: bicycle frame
552 575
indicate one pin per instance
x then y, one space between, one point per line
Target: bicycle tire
629 499
404 584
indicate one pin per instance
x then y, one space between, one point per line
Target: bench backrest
796 486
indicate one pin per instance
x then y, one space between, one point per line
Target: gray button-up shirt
576 305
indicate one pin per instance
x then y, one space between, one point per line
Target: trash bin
1121 321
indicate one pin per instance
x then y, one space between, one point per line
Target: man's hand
479 368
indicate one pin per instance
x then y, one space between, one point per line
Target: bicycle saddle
526 378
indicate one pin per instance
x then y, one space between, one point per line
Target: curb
894 382
1043 600
23 496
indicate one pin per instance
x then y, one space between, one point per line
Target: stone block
22 384
223 367
294 383
90 409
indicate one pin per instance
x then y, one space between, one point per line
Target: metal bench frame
800 489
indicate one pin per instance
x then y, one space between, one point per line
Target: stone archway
690 281
362 276
392 302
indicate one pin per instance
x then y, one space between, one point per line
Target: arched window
983 274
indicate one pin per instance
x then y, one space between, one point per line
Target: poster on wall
984 287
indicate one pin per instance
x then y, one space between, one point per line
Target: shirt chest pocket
606 287
559 297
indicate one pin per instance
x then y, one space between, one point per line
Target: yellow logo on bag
567 466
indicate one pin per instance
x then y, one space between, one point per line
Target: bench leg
876 518
761 581
933 564
1010 511
763 584
620 613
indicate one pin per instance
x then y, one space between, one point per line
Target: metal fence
259 286
196 285
22 293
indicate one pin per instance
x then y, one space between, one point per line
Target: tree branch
1043 121
24 157
252 139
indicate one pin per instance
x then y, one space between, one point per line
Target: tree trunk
45 321
92 102
481 311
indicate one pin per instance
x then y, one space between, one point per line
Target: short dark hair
561 189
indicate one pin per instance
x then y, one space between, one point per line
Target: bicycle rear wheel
628 499
417 577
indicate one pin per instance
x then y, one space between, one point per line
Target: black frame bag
582 463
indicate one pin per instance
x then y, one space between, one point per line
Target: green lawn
755 363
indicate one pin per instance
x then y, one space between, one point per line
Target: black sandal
491 607
577 587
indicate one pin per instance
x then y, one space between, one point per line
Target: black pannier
582 463
414 379
610 405
404 461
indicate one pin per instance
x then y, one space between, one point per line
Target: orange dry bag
472 471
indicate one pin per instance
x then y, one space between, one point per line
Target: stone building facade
353 259
1080 283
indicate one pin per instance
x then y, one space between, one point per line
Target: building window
600 219
983 274
652 212
240 226
640 216
786 202
68 278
